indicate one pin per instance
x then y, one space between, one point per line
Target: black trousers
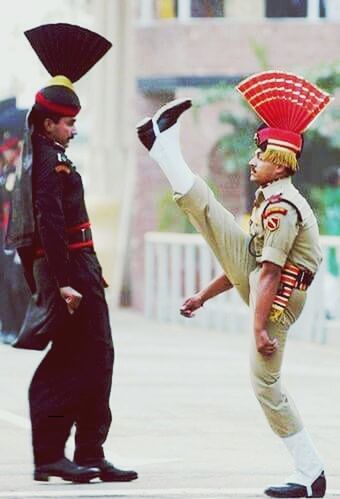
73 382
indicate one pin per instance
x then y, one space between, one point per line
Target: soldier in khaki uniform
271 267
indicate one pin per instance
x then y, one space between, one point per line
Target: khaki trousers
229 243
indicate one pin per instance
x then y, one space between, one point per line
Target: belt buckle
301 276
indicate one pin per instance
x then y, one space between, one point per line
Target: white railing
177 265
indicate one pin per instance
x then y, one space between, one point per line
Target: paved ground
184 416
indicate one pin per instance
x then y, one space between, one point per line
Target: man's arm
48 195
50 220
268 283
214 288
281 228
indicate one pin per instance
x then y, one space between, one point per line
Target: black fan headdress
67 52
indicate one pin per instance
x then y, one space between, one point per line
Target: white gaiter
308 464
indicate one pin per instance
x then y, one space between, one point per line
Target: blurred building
186 44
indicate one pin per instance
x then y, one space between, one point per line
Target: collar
276 187
49 141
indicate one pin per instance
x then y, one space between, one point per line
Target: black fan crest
67 49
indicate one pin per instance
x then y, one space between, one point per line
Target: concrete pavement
184 416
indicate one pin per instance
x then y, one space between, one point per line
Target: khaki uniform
279 233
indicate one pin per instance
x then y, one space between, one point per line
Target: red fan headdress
67 52
287 104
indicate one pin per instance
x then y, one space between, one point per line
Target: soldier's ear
49 125
281 170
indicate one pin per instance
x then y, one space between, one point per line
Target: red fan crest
284 100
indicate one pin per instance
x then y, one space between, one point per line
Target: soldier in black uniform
72 384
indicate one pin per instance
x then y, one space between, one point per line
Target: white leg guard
308 464
166 151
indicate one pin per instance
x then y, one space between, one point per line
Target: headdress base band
56 108
279 137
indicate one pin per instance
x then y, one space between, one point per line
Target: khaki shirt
279 236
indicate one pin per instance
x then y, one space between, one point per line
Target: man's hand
264 345
72 298
190 305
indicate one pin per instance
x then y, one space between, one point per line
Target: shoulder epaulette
275 198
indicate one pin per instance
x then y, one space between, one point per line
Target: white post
189 275
113 139
146 11
205 272
313 10
190 269
162 289
175 281
220 302
332 8
150 279
184 10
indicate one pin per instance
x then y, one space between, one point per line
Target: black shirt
58 203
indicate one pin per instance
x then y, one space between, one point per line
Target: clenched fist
72 298
190 305
264 344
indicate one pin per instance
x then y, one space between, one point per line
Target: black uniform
73 382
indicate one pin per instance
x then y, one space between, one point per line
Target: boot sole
107 479
42 476
183 104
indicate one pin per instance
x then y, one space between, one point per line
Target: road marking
12 418
158 493
191 493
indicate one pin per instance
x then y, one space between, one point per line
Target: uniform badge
273 223
62 168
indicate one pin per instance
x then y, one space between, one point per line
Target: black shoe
296 490
67 470
109 473
165 117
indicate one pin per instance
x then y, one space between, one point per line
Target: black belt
79 236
